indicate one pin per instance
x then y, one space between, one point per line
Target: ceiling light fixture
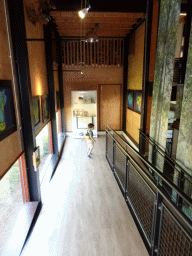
82 13
91 37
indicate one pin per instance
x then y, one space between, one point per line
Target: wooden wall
36 56
135 59
10 147
90 80
135 78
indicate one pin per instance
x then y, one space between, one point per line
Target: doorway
111 106
84 111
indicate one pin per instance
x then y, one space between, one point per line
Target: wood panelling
110 24
135 62
32 30
10 150
10 147
135 79
37 68
90 80
110 106
5 64
133 124
36 56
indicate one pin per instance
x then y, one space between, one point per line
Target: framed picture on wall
36 111
130 99
137 101
7 110
134 100
45 108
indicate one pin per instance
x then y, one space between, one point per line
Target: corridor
84 212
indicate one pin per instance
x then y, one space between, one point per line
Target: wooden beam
72 14
92 25
97 20
104 34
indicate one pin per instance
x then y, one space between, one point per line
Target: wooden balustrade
107 52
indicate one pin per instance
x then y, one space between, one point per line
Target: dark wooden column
50 77
18 36
146 84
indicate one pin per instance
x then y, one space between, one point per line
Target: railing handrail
161 175
181 215
164 153
147 176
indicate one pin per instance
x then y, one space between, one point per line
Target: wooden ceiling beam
74 30
73 14
92 25
103 34
95 20
110 24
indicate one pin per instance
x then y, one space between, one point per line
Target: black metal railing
165 228
160 159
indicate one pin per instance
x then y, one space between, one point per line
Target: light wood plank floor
84 212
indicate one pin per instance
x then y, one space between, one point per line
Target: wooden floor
84 212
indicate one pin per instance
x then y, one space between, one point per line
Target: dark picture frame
130 100
138 101
45 108
7 110
134 100
36 111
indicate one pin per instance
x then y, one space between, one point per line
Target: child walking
90 139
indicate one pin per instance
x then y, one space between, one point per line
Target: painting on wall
45 108
134 100
138 101
36 110
7 110
130 99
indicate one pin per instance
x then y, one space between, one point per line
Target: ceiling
114 19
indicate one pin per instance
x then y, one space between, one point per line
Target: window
11 202
43 140
59 129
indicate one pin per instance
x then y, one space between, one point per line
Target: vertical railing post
142 144
114 147
106 151
154 154
157 223
127 165
181 186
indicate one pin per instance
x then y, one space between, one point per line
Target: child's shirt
89 134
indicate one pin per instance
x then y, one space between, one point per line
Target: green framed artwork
130 99
138 101
36 111
134 100
7 110
45 108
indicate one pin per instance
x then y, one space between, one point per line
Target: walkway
84 212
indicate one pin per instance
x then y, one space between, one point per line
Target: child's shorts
90 144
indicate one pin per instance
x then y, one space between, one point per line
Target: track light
91 37
84 12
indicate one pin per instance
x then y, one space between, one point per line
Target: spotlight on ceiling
82 13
